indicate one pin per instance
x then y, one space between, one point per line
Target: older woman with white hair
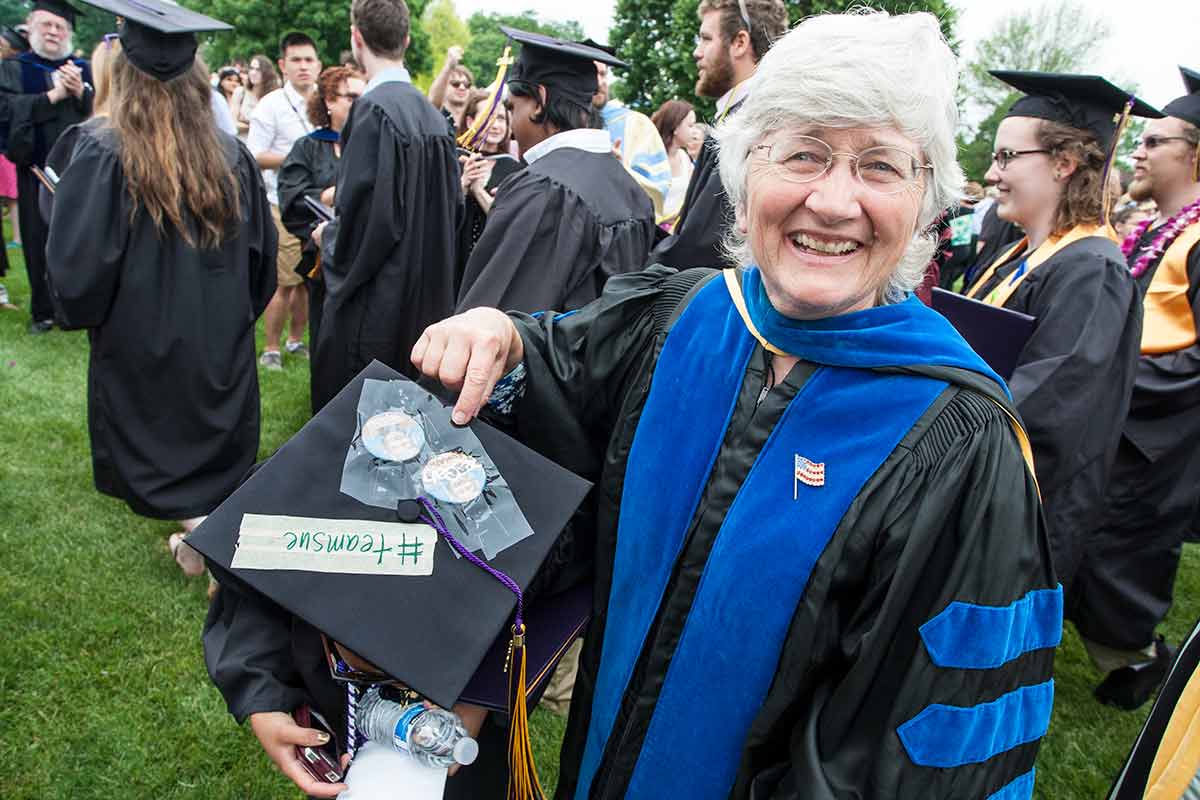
820 565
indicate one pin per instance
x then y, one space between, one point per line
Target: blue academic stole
37 77
848 418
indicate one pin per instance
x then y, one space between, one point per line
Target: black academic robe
996 235
558 230
474 218
951 515
309 169
388 259
29 126
173 403
1073 380
703 220
1129 563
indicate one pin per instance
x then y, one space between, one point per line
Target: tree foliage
656 38
260 24
1054 37
1050 38
487 40
445 28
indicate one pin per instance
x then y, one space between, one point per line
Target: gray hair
862 69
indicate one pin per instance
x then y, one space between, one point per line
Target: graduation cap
16 40
159 37
1087 102
1187 108
60 8
564 66
445 635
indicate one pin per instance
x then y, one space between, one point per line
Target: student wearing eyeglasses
1130 562
1075 373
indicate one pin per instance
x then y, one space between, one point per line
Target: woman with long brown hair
261 80
168 263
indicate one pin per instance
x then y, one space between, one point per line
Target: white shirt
222 114
279 119
389 75
590 140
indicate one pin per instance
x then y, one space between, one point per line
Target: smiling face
685 132
828 246
713 61
497 130
1027 190
1167 166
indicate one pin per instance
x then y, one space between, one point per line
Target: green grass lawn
103 692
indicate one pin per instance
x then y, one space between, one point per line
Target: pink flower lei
1187 216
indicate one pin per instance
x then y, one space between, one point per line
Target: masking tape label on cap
359 547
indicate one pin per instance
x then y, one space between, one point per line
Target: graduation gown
388 259
29 126
474 218
558 230
1128 573
705 217
1074 376
173 403
951 515
309 169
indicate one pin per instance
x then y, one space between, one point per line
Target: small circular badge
393 436
453 477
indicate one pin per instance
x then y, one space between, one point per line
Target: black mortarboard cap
435 632
1187 107
562 66
1087 102
16 40
58 7
159 37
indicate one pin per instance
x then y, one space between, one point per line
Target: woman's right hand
468 353
279 736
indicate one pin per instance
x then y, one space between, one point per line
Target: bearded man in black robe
42 93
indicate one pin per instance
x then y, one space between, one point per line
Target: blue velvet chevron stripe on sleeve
1019 788
951 736
970 636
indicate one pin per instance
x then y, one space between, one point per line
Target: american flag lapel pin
810 473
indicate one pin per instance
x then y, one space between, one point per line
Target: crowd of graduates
377 222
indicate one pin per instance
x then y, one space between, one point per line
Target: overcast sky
1150 37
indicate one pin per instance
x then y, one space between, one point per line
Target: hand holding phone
284 741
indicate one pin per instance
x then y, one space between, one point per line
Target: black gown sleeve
1082 348
261 230
371 220
248 652
577 367
954 520
527 255
1170 383
297 178
58 160
86 246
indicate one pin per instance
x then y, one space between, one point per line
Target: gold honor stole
1167 323
999 296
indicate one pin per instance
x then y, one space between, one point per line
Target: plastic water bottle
435 737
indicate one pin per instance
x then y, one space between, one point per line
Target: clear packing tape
405 446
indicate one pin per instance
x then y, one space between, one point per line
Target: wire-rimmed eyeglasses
882 169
